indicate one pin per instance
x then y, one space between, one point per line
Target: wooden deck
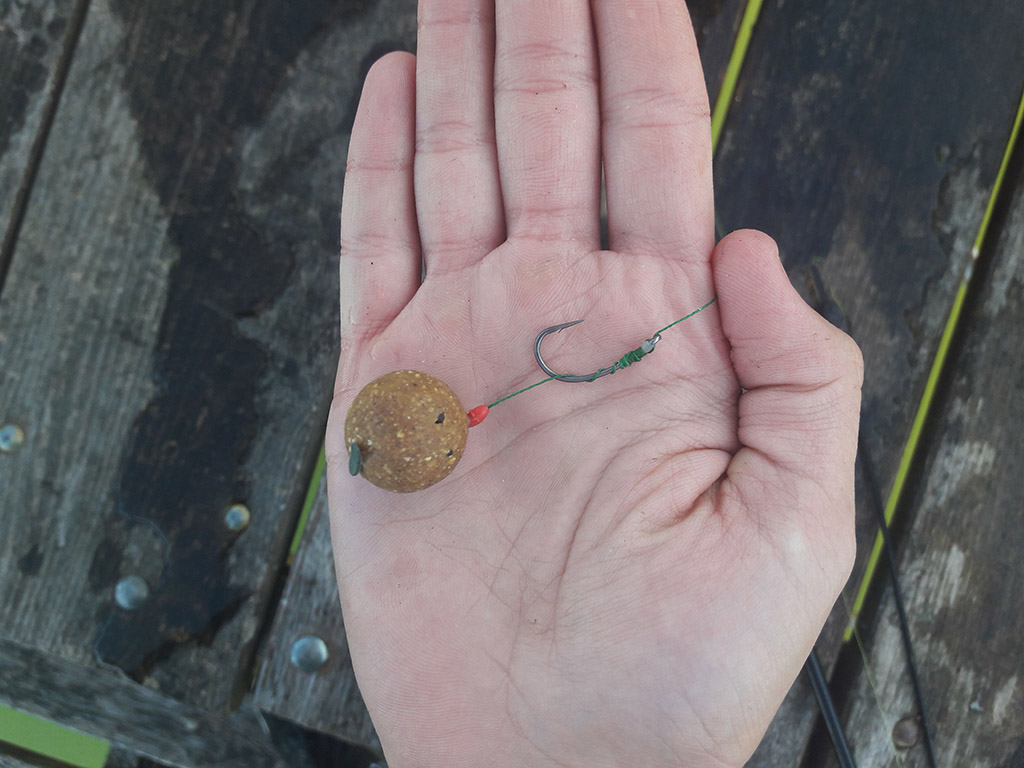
170 175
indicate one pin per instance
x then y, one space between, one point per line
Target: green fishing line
633 356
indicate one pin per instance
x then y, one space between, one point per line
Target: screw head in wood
11 436
236 517
906 732
131 592
309 653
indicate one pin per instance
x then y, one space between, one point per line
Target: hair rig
407 430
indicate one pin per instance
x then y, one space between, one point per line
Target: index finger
656 129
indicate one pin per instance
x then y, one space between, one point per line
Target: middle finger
458 197
547 120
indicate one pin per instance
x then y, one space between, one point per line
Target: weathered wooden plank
121 758
13 757
960 565
845 144
105 704
328 700
168 333
324 698
33 35
75 324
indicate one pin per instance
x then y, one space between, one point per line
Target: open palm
624 572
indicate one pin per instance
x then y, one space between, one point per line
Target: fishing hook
646 348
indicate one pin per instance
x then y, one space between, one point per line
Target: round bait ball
410 430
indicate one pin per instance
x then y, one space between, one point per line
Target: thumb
798 417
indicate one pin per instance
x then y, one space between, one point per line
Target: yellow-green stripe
1000 177
307 506
732 71
51 740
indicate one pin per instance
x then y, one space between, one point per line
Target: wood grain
328 699
33 36
105 704
960 564
170 319
13 757
865 138
121 758
77 331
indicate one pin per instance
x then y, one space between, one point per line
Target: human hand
625 572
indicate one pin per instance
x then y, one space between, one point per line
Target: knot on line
631 357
